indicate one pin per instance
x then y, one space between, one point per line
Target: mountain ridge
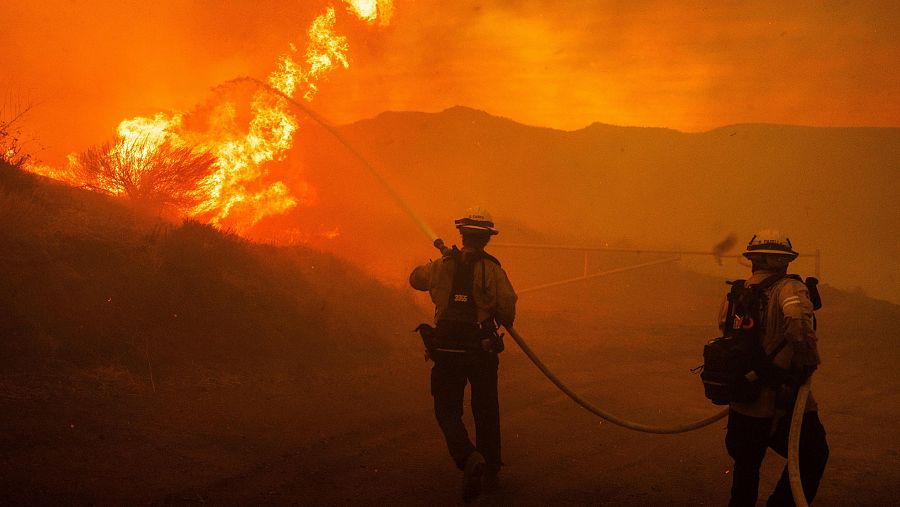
828 188
460 110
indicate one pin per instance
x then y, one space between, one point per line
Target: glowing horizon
565 66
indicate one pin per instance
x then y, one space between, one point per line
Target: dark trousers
747 440
449 376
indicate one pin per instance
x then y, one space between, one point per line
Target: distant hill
86 280
833 189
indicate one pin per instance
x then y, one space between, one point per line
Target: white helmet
769 241
478 220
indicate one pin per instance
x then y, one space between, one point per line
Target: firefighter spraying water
472 295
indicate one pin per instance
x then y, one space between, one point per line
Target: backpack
735 365
459 329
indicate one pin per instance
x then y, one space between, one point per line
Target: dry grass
91 282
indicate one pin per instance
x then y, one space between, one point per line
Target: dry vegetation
97 283
153 174
14 141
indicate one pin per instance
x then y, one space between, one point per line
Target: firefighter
472 295
754 426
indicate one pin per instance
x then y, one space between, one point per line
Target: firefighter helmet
477 220
770 241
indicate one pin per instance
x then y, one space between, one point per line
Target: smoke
89 64
648 64
723 247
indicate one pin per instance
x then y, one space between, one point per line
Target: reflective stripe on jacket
493 293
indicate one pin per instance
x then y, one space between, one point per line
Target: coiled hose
794 438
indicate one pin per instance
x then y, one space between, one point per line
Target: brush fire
212 163
232 215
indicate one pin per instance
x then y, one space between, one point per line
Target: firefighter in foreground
787 335
472 295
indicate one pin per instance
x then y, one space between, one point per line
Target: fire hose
794 445
590 407
803 393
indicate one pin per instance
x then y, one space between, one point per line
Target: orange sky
87 65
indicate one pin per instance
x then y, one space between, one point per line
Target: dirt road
367 436
557 454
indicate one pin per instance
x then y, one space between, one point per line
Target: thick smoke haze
87 65
258 349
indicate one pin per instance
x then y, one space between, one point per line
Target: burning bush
12 137
147 171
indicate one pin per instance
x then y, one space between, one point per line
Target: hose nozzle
439 244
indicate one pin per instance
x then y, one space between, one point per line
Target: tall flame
235 193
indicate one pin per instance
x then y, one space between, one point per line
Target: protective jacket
789 318
493 293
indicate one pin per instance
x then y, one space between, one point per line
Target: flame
325 50
150 132
138 138
237 193
56 173
371 10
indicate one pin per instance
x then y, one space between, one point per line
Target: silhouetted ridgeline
88 281
829 188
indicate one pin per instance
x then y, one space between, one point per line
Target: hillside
139 356
149 363
89 281
831 189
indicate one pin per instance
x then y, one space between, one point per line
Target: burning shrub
12 137
147 171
